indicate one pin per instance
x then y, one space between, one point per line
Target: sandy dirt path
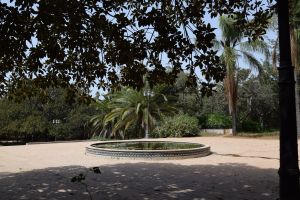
238 168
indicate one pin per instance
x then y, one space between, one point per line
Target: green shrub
249 125
215 121
181 125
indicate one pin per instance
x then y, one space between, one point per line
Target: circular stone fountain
148 149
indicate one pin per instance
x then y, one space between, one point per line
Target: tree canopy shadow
144 181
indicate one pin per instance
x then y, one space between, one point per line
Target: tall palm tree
295 32
233 47
295 52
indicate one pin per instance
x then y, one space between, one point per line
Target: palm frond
295 13
229 31
253 62
114 114
229 58
164 96
138 108
217 44
129 123
256 46
127 112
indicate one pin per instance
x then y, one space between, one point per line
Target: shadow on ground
144 181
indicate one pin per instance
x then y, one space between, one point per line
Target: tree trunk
295 63
289 166
231 90
234 122
297 100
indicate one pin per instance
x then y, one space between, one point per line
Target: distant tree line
129 113
173 110
257 101
44 118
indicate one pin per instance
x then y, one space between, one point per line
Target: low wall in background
218 131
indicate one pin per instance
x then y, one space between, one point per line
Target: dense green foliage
257 105
79 44
128 113
214 120
36 119
111 44
20 120
259 100
131 111
187 99
249 125
181 125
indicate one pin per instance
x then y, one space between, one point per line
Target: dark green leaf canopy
105 43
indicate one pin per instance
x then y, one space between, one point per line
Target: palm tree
295 52
132 108
295 32
233 47
125 107
96 121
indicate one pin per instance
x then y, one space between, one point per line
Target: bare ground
238 169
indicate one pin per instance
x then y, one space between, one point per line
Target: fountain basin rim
165 154
91 147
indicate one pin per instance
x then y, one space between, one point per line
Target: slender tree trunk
234 122
295 63
234 106
297 100
230 83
